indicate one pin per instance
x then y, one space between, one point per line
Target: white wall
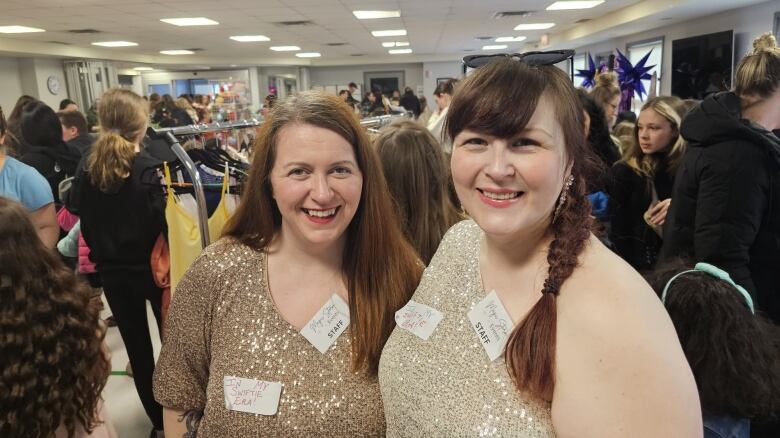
321 76
10 84
28 76
435 70
747 23
45 68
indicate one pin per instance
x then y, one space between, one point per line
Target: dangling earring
562 198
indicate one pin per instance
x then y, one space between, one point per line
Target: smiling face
510 185
316 183
654 132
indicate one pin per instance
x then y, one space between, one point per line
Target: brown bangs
498 99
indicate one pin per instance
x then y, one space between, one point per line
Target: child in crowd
732 351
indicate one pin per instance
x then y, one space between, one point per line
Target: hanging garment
183 233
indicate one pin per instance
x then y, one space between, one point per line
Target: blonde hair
606 88
758 73
183 103
672 109
123 118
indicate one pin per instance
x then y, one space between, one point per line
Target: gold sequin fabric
222 322
446 386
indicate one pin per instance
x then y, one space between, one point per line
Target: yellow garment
183 232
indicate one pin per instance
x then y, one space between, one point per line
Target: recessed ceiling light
143 69
195 21
308 55
401 43
534 26
284 48
370 15
177 52
115 44
567 5
389 44
387 33
510 39
399 51
495 47
250 38
19 29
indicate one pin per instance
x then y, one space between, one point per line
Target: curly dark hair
53 366
733 353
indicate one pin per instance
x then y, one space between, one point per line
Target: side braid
530 350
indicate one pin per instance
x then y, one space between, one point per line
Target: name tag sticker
492 324
419 319
328 324
252 396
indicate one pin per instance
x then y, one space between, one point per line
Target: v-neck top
222 322
447 386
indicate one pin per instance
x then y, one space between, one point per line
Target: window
635 52
580 62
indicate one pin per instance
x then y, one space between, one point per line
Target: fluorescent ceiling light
402 43
567 5
308 55
387 33
250 38
285 48
510 39
143 69
19 29
177 52
399 51
534 26
495 47
370 15
195 21
115 44
388 44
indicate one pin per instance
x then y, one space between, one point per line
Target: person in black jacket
726 208
46 152
74 131
641 186
410 102
122 214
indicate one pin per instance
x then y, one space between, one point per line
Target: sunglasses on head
531 58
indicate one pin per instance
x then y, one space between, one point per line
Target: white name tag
252 396
328 324
492 324
418 319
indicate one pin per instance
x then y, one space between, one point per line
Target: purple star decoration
588 75
630 78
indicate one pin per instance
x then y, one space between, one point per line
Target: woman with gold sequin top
534 328
277 328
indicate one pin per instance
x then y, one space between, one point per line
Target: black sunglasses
532 58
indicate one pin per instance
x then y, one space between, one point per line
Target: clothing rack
170 134
378 121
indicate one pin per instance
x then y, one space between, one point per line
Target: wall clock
53 84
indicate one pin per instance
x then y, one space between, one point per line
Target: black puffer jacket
726 201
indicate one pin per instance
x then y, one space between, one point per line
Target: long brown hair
50 349
419 181
123 118
499 99
380 267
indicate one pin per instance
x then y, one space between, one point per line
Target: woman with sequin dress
524 324
277 328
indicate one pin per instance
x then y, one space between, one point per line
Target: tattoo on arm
191 419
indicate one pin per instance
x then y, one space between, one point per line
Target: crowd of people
522 261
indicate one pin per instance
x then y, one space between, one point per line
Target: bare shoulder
619 364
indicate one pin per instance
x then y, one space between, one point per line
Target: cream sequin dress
222 322
446 386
